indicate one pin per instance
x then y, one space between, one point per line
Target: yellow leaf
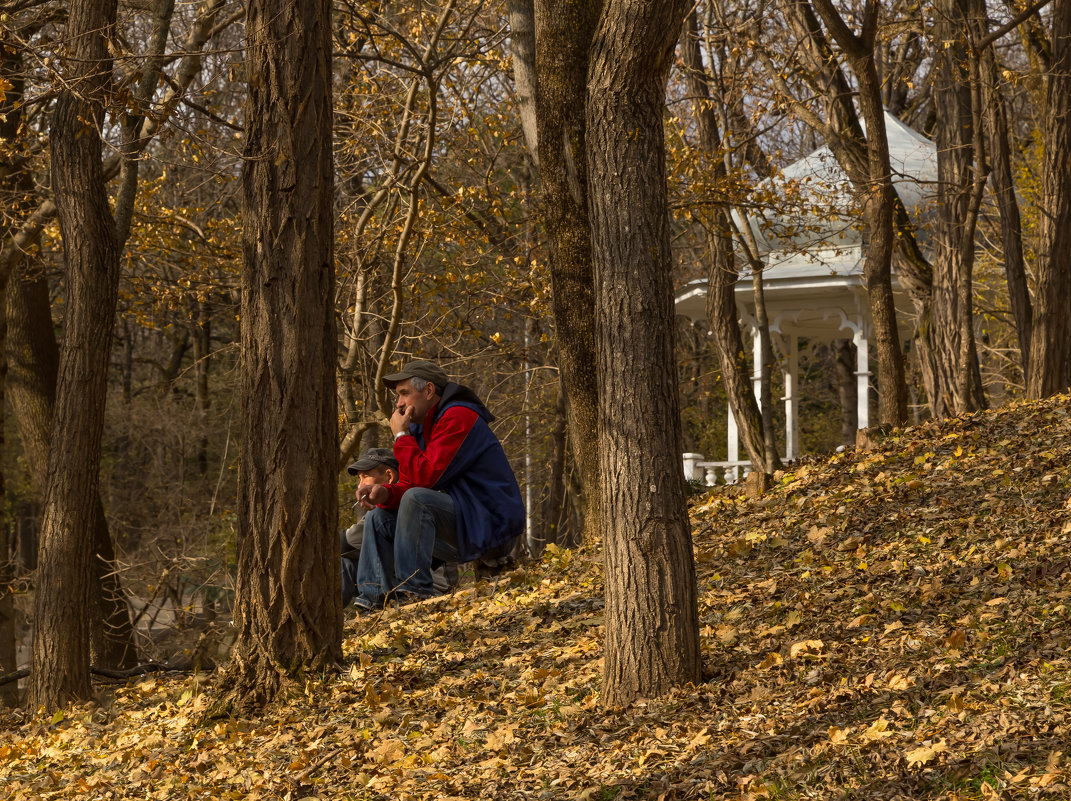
388 752
878 730
924 753
898 682
837 735
803 646
773 659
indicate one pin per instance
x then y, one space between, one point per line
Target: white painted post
691 461
733 451
862 380
792 377
756 376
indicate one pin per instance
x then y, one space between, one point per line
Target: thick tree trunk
60 670
722 274
949 331
563 36
1050 349
652 632
288 590
33 359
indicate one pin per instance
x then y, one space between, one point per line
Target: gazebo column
862 380
792 375
732 472
756 359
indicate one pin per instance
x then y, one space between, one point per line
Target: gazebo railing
714 473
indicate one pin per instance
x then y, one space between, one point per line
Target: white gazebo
813 273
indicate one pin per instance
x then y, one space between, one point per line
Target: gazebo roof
822 210
813 278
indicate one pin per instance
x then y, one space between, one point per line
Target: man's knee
419 497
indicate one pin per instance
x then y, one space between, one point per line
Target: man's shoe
364 606
444 578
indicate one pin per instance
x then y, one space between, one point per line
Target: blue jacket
455 452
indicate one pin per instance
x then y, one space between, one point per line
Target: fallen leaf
803 646
924 753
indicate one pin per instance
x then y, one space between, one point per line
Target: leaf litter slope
887 624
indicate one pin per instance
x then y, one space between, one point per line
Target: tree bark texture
875 180
1050 348
60 668
288 590
522 47
722 274
847 390
877 265
33 362
564 32
652 637
947 329
14 187
862 161
1003 184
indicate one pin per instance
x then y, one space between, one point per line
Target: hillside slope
887 624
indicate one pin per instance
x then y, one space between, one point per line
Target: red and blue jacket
455 452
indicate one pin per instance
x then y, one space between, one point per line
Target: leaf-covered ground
888 624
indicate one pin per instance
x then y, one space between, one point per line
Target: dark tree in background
60 670
288 592
1050 350
652 630
563 38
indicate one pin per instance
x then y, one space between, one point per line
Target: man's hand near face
371 495
400 420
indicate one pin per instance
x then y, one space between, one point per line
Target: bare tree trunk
868 172
9 694
847 390
288 592
1050 349
554 516
878 206
949 330
14 185
652 631
33 359
722 275
60 670
564 32
1003 183
522 46
202 360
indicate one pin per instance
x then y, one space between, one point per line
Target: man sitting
457 497
378 466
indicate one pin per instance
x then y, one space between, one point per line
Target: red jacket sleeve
424 468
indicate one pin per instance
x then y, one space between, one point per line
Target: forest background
439 248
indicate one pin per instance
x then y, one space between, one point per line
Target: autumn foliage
890 623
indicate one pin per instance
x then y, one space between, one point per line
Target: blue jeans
399 546
349 580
